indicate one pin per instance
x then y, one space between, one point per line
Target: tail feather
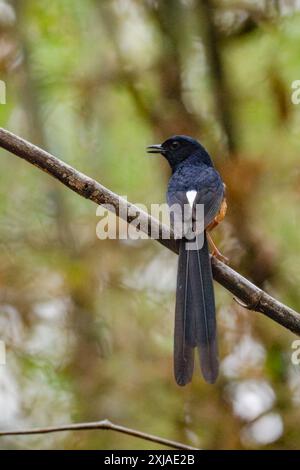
195 319
183 349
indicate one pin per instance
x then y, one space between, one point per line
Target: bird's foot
217 254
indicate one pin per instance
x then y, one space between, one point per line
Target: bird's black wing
209 189
210 193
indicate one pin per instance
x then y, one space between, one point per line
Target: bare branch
218 76
104 424
250 295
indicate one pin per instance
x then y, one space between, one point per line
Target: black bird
194 181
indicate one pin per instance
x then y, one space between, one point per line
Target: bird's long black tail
195 316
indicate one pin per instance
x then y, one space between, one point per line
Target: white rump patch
191 195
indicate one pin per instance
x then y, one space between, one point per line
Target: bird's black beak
156 149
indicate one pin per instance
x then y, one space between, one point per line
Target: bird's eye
174 145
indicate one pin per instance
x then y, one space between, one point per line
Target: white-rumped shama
194 181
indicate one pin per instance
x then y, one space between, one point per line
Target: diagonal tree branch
249 295
104 424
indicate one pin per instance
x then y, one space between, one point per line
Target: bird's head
178 148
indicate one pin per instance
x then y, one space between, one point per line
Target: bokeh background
88 324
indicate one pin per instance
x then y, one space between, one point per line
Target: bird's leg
215 251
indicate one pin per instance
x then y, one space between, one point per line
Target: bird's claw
219 256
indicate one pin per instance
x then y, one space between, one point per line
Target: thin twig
104 424
252 297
